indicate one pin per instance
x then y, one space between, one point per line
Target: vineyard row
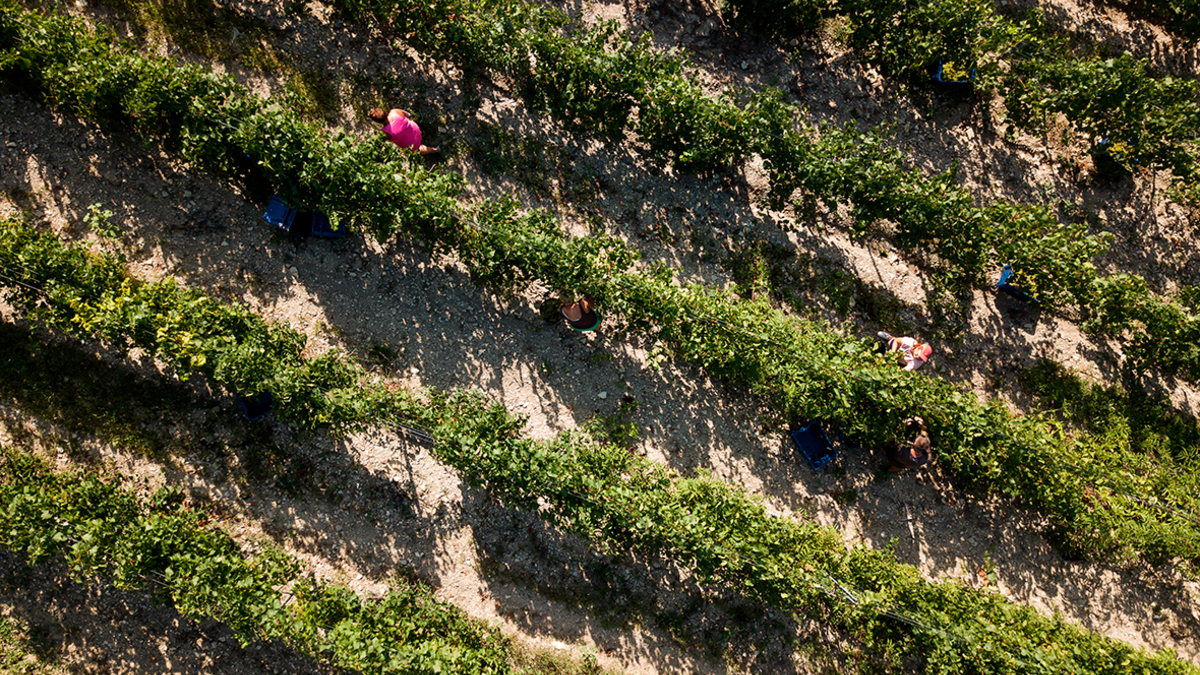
616 499
595 77
102 529
1100 502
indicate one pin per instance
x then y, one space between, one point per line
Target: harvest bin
1005 287
814 445
300 223
1106 164
940 78
256 406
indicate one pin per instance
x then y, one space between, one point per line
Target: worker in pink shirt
913 352
400 129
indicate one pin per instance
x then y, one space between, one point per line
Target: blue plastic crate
1005 287
814 445
938 77
1108 165
256 406
321 227
300 223
278 213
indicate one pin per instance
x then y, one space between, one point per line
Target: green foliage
100 221
1144 423
621 501
593 77
99 528
468 32
1182 17
1161 331
692 130
95 297
908 37
1154 119
802 369
1051 260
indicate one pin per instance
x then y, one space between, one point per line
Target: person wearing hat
910 454
581 315
913 352
400 129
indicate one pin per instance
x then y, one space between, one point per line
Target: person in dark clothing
914 453
581 315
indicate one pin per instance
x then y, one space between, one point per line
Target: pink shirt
402 131
913 358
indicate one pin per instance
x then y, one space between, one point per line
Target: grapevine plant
803 369
160 544
617 500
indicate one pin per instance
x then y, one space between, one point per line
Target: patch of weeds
60 383
616 428
383 355
845 497
366 92
204 27
547 662
540 166
296 8
25 649
765 268
99 221
312 93
503 152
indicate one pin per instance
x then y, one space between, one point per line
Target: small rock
354 275
225 243
557 644
603 395
293 270
414 370
745 65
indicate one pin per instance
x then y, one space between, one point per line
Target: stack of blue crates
300 223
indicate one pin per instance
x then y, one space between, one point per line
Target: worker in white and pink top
913 352
400 129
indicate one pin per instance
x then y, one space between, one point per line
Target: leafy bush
687 128
102 529
593 77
